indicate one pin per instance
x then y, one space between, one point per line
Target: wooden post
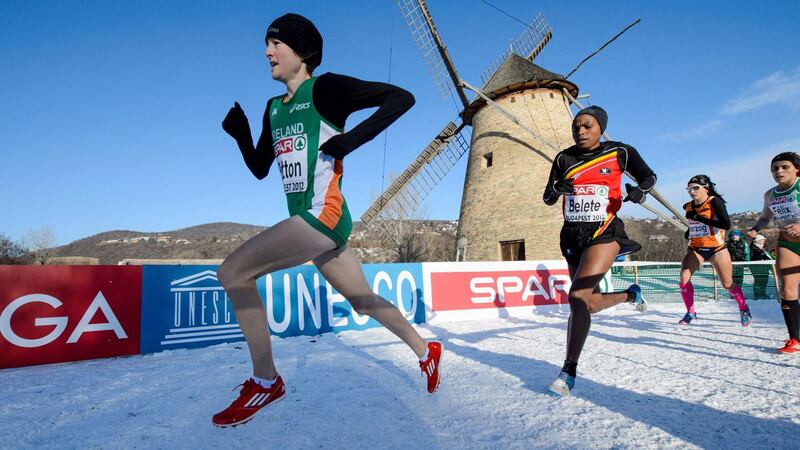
636 274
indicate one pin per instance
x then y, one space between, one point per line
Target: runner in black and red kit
589 175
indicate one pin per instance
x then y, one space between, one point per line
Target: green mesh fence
659 281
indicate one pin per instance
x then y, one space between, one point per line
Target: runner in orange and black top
589 175
708 222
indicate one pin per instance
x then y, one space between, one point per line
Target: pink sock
738 295
687 292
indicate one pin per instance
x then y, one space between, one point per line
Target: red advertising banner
51 314
498 288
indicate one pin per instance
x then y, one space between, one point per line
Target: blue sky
111 110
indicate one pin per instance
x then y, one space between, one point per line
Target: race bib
587 203
292 159
785 210
698 230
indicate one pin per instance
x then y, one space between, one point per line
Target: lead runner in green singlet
302 133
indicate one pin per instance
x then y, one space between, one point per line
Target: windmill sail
409 190
430 45
528 45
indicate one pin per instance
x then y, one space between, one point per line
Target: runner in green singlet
782 203
303 133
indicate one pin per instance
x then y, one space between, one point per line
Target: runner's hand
691 215
236 124
335 147
635 194
564 186
793 230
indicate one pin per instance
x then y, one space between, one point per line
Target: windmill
520 119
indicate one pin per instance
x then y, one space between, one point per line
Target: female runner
303 132
782 203
708 222
589 174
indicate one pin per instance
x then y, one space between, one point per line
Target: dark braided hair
705 181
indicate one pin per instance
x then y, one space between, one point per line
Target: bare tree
660 241
408 242
41 244
441 245
11 252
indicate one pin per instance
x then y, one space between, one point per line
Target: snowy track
643 382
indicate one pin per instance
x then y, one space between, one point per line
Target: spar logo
290 144
201 310
496 290
591 189
452 291
45 304
785 199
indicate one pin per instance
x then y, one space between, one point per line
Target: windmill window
533 95
513 99
551 95
512 250
487 159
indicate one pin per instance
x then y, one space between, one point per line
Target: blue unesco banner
186 307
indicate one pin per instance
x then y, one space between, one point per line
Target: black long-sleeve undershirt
336 97
722 221
628 158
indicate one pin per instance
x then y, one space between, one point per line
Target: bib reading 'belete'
596 197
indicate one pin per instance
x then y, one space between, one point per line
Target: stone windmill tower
502 214
521 118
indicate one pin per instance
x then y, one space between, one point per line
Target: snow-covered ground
643 383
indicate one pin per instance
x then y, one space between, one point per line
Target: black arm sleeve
723 222
550 196
337 96
634 165
259 158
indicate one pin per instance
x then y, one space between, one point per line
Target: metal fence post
777 281
714 271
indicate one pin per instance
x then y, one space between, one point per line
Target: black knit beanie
300 35
598 113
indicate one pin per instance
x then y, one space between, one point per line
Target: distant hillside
432 240
213 240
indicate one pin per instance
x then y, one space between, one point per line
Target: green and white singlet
785 205
312 180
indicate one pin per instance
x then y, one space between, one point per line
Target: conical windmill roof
515 74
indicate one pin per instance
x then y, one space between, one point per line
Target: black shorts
707 252
576 237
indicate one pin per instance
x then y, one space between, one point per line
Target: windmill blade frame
430 45
529 44
418 180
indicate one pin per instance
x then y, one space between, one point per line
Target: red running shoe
430 367
791 345
252 398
